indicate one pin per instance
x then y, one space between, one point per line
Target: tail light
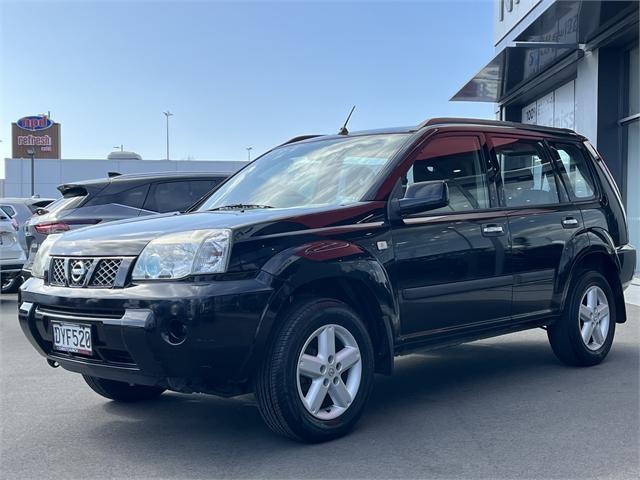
15 224
47 228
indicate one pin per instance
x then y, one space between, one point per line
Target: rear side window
574 170
458 161
120 194
527 174
177 196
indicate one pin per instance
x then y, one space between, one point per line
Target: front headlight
41 259
178 255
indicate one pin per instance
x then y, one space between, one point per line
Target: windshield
322 172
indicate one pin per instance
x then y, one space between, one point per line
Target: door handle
569 222
492 229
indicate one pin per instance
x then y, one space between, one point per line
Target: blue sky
235 74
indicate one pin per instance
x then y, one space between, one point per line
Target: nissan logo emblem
78 271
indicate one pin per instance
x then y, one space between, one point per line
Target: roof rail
495 123
299 138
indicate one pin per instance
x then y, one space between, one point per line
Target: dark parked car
310 269
118 197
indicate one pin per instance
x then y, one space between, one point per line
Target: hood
129 237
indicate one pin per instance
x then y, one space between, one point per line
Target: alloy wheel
594 318
329 372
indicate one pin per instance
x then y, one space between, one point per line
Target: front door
450 269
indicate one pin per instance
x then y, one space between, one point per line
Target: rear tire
318 372
583 335
121 391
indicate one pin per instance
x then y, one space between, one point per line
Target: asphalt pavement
498 408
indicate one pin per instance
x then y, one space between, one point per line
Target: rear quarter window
574 170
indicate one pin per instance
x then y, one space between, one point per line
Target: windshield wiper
239 206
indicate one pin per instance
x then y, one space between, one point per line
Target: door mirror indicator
422 197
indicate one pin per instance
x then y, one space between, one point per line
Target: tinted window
121 194
9 210
40 204
458 161
177 196
200 188
574 170
64 203
527 174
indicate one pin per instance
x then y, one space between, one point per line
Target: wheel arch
360 281
599 255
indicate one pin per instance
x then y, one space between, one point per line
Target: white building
49 173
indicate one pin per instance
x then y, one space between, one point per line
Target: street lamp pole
168 114
32 154
249 153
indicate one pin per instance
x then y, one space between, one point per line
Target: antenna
343 130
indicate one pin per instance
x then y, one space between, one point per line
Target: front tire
318 372
584 333
121 391
10 285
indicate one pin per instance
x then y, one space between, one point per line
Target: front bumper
10 270
132 330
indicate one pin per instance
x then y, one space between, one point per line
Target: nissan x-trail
310 269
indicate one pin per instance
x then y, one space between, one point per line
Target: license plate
71 337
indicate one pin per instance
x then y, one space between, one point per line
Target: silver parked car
12 255
21 210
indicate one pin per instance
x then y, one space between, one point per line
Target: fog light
176 332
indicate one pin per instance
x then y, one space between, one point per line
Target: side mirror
422 197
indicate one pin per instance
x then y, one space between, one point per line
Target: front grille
106 272
87 272
57 275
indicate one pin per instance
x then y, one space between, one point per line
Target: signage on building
36 134
556 109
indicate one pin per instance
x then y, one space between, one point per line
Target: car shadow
206 430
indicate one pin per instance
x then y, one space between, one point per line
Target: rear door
450 268
542 221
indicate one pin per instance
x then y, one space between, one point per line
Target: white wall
587 96
51 173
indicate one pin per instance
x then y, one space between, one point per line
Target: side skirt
470 334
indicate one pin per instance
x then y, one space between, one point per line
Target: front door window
458 161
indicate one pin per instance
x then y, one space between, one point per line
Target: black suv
307 271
